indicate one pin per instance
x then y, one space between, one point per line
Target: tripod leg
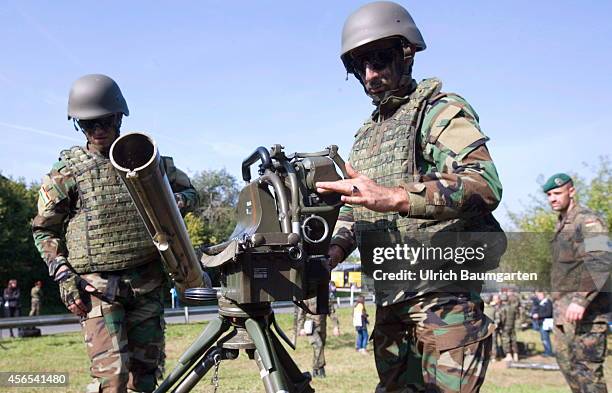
212 357
299 380
213 331
270 365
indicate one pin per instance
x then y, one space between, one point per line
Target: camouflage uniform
36 295
491 311
581 275
87 219
317 338
333 315
508 316
430 144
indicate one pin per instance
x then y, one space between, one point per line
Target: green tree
19 258
215 218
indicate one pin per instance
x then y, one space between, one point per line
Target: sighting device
277 252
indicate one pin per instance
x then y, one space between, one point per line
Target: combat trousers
125 342
35 308
333 315
581 352
508 339
424 347
317 340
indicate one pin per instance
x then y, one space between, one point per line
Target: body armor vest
106 233
387 152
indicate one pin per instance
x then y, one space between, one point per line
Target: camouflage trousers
333 315
125 342
35 307
581 352
508 341
317 340
438 344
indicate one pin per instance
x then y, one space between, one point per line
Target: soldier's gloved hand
180 200
336 255
71 286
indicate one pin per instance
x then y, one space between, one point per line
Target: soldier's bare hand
302 332
361 190
574 312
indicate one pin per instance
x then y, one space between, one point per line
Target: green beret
556 181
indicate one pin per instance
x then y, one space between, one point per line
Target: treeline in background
214 220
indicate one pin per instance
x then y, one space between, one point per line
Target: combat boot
322 372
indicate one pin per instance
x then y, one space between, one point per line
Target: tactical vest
386 152
106 233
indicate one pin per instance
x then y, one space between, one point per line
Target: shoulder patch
459 134
594 224
441 120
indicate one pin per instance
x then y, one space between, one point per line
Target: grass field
347 371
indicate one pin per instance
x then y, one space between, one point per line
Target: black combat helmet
93 96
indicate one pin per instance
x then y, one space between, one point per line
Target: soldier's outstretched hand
361 190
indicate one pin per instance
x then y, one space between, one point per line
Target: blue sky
212 80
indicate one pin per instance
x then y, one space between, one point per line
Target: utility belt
126 283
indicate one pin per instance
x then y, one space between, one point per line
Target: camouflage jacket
58 202
36 293
447 167
507 316
582 261
452 175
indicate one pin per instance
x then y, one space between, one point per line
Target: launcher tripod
251 331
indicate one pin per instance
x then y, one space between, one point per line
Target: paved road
75 327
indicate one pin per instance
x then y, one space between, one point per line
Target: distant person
315 328
175 298
508 315
332 308
36 295
535 324
12 302
490 310
544 316
360 321
580 275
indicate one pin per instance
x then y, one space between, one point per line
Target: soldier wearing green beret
581 281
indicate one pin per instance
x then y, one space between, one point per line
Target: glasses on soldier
104 122
377 59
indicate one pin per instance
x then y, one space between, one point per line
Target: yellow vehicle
346 274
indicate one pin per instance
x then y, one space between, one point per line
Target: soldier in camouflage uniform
507 319
36 295
97 248
490 310
582 262
419 163
316 338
